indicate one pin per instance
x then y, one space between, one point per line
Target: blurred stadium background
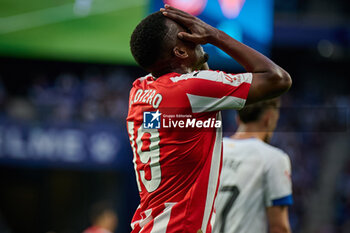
65 73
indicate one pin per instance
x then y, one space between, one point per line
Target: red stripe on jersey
242 91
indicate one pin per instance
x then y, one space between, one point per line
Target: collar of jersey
168 75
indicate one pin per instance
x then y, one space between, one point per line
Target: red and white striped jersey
177 169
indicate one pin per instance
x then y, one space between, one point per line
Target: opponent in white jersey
255 184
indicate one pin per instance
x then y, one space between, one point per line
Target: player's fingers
189 37
178 18
168 7
181 13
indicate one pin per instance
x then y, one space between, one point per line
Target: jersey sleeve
209 90
278 189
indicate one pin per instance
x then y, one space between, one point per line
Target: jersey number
149 155
234 191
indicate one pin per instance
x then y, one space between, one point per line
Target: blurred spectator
92 97
21 109
103 218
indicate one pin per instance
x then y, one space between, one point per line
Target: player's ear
180 52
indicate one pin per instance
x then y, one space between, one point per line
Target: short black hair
253 112
147 39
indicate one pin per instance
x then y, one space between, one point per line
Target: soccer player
255 186
103 218
177 171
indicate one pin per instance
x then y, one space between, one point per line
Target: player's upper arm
266 85
278 219
209 90
278 183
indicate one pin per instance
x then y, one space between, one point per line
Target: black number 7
234 194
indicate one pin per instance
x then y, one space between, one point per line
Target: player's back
177 168
247 185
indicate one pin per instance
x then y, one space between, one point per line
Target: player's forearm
250 59
273 79
278 219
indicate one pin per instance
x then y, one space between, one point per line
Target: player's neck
249 131
169 68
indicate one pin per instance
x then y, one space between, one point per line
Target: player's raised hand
199 31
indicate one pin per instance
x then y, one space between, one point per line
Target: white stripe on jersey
145 77
132 140
148 218
160 223
213 176
207 104
217 76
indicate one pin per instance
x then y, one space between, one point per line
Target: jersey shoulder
274 152
142 79
274 158
165 79
263 150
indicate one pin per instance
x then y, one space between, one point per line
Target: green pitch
75 30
